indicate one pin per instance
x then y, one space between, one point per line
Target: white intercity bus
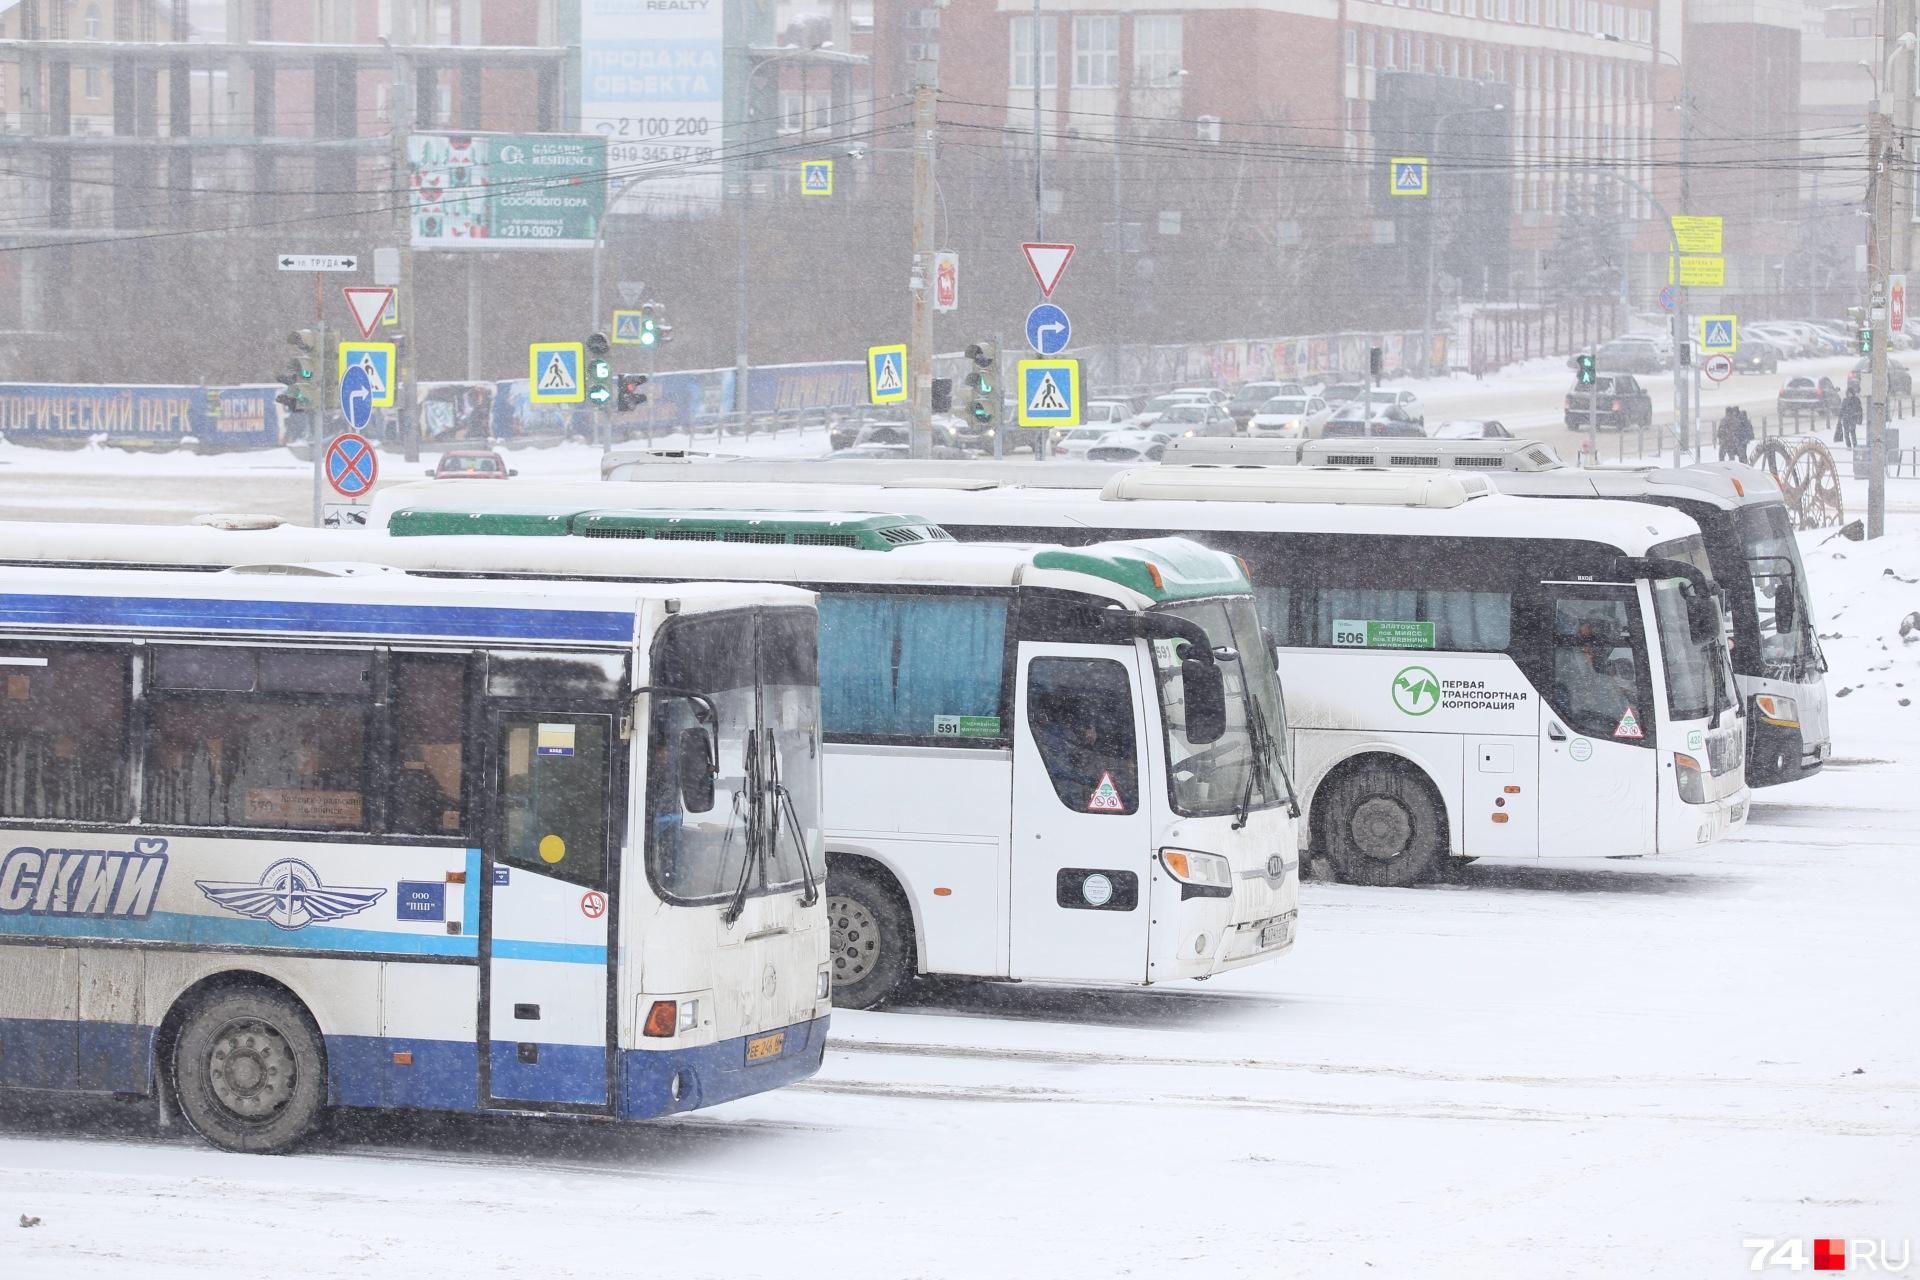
1778 667
334 836
1467 673
1060 764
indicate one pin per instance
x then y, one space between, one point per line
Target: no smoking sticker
593 904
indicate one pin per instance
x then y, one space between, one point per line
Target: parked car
1795 340
1615 400
1130 445
1756 355
470 464
1899 377
1215 394
843 432
1337 394
1295 417
1150 412
1075 443
1195 420
1390 423
1379 405
1251 396
1468 429
1106 413
1804 397
1630 355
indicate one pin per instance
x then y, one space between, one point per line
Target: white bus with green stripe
1042 763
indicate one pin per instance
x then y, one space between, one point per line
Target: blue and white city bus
286 839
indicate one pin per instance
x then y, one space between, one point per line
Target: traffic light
302 370
650 325
983 384
943 395
631 395
1376 362
599 372
1685 356
1866 340
1585 364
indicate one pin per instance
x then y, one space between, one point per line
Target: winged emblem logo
289 895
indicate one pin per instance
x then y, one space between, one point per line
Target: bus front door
1598 779
1082 828
547 913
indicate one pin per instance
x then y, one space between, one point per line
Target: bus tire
872 937
250 1071
1383 827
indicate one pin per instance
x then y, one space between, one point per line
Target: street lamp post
1880 179
1426 311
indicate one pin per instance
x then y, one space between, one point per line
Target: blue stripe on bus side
465 621
179 927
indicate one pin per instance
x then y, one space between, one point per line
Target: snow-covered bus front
1468 674
335 836
1059 764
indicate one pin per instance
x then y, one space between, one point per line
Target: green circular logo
1416 690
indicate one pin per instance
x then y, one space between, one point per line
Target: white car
1247 400
1075 443
1401 406
1214 394
1468 429
1196 419
1294 417
1151 411
1105 413
1128 446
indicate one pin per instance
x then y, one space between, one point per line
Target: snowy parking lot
1616 1068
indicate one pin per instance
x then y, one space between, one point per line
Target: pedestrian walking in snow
1850 415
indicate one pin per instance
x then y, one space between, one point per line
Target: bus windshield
1699 679
1779 588
1247 764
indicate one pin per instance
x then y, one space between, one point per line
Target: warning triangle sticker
556 376
1046 396
1047 262
1629 726
1106 797
888 376
368 304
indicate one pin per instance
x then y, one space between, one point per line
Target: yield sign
1047 262
368 305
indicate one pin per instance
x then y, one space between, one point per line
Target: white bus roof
1185 569
1295 500
354 599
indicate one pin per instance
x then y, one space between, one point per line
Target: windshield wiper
756 833
811 895
1261 747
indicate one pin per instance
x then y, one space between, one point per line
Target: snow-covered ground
1577 1069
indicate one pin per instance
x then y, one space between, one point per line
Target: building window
793 110
90 82
1020 74
1353 47
1096 53
1158 52
1372 48
90 24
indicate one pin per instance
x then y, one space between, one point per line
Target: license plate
760 1048
1276 935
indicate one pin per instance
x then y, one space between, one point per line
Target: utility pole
1684 394
1879 259
1039 185
920 341
399 125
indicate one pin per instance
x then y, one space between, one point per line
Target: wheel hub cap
855 939
251 1069
1382 828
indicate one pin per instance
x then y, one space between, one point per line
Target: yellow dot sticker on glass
552 848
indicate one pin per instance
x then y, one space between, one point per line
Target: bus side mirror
696 770
1204 691
1785 605
1703 618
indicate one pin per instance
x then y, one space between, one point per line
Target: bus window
1080 711
1599 675
63 735
698 854
428 701
912 666
553 796
248 738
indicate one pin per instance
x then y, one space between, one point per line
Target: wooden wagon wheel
1775 457
1813 488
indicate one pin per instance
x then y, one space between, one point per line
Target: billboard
650 84
213 417
506 191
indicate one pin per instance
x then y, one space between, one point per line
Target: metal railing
1656 443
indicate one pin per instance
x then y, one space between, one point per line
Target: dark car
1756 355
471 464
1805 398
1630 355
1899 377
1616 401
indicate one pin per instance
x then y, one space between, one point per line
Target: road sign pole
316 427
920 341
1880 161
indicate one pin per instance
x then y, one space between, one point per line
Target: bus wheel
1383 828
872 942
249 1072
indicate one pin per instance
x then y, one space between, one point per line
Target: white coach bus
273 842
1778 667
1467 673
1041 763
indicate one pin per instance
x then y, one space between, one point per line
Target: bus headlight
1687 773
1201 875
1776 710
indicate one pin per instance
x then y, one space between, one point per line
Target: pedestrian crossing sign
1049 393
816 177
1719 333
375 359
627 328
887 374
553 373
1409 176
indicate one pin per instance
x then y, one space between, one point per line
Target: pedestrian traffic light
1866 340
1376 362
1685 356
983 386
599 373
303 366
631 396
1585 365
649 325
